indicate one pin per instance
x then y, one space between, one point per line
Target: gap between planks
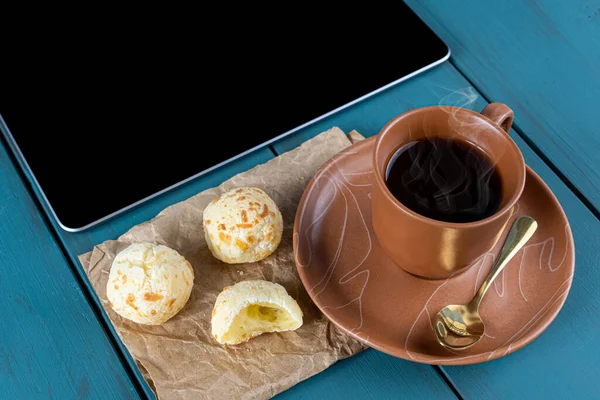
98 313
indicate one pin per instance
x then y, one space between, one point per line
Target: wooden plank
51 343
372 375
542 58
562 363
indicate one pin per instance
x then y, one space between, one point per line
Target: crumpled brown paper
180 359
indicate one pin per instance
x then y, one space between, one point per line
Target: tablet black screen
168 104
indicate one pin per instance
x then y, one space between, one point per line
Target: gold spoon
458 327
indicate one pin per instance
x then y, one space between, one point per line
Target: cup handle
500 114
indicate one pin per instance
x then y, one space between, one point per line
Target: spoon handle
520 232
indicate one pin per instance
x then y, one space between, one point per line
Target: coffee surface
445 179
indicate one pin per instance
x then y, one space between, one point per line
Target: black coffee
445 179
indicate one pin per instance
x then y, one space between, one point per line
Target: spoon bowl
458 327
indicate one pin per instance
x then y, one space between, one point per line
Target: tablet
105 126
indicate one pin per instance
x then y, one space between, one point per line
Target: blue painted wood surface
372 375
51 342
554 366
542 58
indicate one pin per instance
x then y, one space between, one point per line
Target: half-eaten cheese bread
251 308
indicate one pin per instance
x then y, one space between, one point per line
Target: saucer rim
424 358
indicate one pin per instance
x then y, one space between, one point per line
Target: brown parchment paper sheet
180 359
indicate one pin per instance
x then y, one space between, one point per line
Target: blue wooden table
542 58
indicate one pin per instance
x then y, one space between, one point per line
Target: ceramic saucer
361 290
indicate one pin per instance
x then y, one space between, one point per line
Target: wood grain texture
372 375
542 58
562 362
51 343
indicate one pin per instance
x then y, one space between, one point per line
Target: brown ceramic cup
436 249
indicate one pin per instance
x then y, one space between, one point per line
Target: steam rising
459 98
446 179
